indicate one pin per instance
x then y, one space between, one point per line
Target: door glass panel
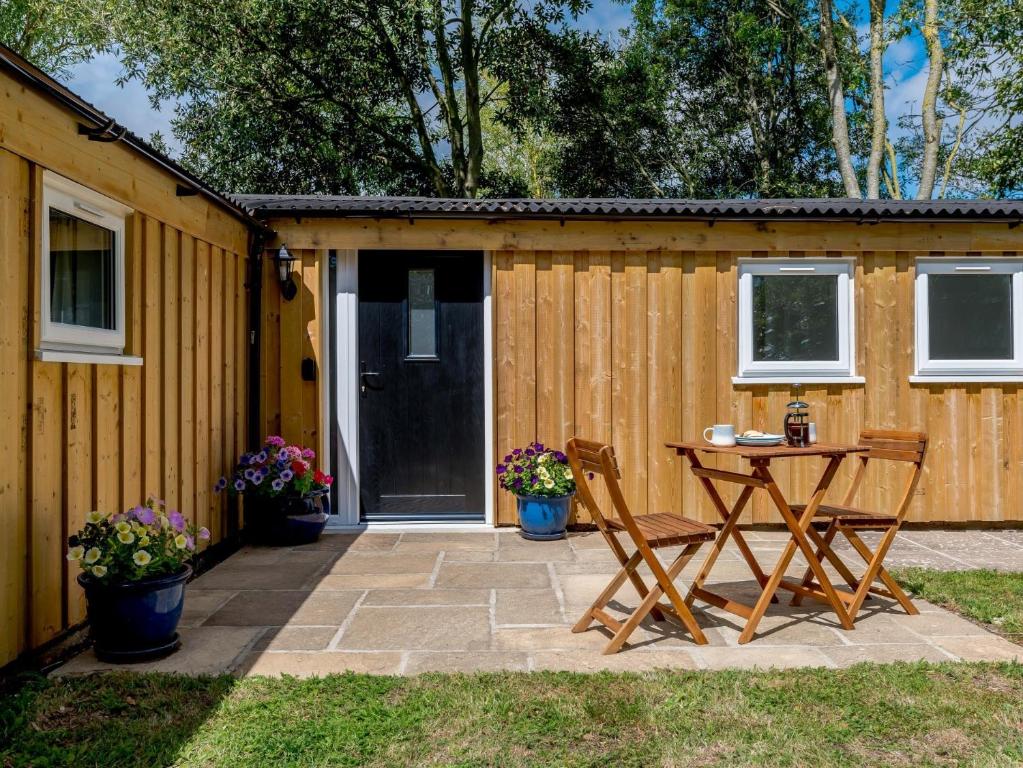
970 317
82 272
422 314
795 317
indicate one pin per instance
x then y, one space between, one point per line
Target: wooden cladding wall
638 348
85 436
289 406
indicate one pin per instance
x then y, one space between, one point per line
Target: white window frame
803 371
82 203
966 370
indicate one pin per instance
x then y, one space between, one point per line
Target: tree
332 95
55 36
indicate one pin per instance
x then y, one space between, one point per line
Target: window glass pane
795 317
82 272
970 317
422 310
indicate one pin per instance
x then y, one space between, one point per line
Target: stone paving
404 603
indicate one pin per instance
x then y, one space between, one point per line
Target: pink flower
308 454
275 441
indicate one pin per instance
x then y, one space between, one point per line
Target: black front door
421 432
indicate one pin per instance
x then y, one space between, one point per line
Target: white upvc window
82 286
969 318
796 320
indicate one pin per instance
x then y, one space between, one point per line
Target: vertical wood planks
152 354
664 363
555 318
171 371
130 443
186 380
203 304
216 393
78 476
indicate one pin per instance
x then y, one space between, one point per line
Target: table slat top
773 452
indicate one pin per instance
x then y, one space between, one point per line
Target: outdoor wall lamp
284 261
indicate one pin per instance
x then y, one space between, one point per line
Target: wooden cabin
150 331
639 322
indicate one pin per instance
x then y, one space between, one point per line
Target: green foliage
55 36
536 471
993 597
867 715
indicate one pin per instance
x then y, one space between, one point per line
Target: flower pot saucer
135 656
543 536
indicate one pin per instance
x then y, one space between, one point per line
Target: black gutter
106 129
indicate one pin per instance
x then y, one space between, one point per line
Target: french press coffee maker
797 424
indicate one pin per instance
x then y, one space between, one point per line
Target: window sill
951 378
94 358
796 379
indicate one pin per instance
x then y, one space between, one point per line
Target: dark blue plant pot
135 621
286 520
543 518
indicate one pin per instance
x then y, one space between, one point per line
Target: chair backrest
589 456
891 445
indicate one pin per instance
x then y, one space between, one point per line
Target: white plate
766 440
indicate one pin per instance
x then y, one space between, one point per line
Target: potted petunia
287 500
134 568
543 486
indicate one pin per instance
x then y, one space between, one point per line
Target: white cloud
95 81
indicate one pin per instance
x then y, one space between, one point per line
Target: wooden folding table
802 532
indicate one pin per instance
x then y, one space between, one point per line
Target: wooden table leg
726 515
731 520
798 540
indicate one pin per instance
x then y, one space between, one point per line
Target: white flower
94 517
126 537
543 458
123 527
568 474
92 555
99 571
548 483
142 557
75 553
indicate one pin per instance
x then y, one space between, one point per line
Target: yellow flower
135 526
568 475
180 541
164 522
92 555
75 553
94 517
99 571
126 537
543 458
548 483
142 557
143 541
122 527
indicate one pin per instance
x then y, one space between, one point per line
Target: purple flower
221 485
286 475
118 518
529 451
508 459
260 457
589 475
204 533
250 473
539 447
190 542
534 479
501 469
308 454
257 479
177 520
517 482
239 485
245 458
277 484
145 515
282 459
275 441
562 458
517 451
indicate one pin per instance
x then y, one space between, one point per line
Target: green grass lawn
902 714
991 597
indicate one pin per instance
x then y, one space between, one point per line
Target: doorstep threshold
402 526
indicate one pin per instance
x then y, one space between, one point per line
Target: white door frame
346 390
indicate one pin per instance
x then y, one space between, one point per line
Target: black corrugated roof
269 206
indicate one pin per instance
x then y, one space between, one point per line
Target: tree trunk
836 97
474 124
879 122
929 116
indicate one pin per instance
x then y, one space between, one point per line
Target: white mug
721 435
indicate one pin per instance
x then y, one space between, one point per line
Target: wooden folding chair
885 445
648 532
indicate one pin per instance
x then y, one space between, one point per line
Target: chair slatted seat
647 533
844 518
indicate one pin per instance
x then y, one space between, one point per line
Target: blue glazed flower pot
543 518
137 620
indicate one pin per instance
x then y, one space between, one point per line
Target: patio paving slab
405 603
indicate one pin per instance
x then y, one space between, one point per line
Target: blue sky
905 66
